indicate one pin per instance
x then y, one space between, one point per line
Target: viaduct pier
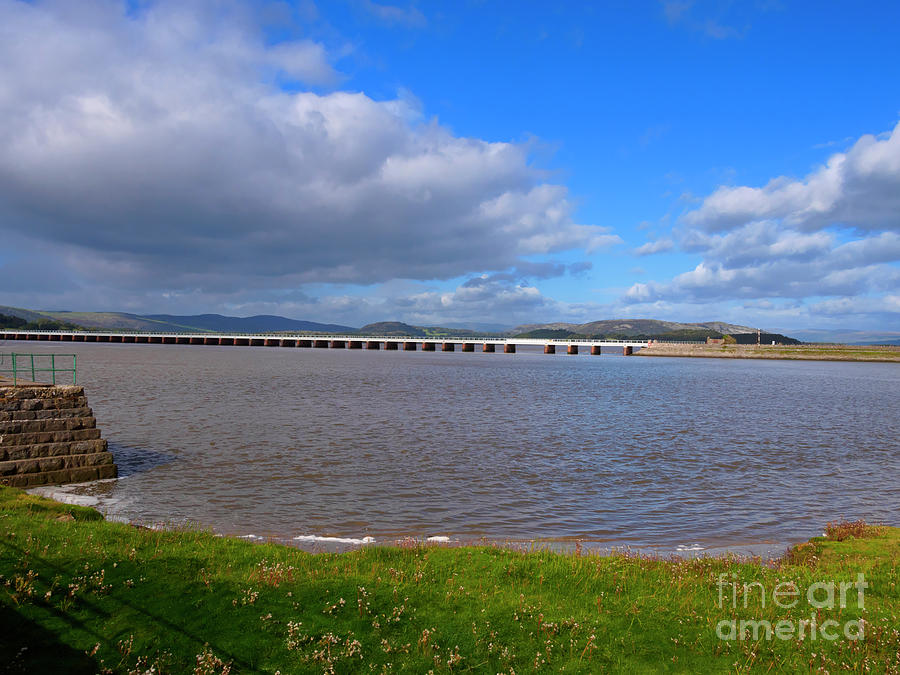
391 343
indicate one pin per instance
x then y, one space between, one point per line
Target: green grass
80 594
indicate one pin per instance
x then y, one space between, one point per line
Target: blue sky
454 163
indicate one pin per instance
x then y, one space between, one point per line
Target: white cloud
859 189
833 236
410 17
657 246
156 149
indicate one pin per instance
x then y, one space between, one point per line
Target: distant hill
634 328
200 323
849 336
609 328
42 323
262 323
393 329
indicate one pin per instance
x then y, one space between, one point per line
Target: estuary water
658 453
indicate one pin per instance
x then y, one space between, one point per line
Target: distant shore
812 352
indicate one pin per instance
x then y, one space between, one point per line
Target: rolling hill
627 328
200 323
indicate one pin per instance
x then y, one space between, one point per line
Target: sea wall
49 436
812 352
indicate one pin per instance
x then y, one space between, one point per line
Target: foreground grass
79 594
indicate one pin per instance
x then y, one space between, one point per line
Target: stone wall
48 435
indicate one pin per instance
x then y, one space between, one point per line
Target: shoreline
810 352
83 594
72 495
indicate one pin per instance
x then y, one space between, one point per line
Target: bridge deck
187 338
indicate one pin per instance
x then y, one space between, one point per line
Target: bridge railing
38 367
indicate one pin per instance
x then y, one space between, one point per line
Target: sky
466 163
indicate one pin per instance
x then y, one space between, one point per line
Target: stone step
60 403
47 464
42 391
20 452
59 413
31 426
80 474
38 437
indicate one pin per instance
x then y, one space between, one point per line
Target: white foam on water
438 539
336 540
247 536
689 547
65 497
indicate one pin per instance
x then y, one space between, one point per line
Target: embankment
48 435
803 352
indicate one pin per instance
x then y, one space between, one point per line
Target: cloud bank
833 236
171 150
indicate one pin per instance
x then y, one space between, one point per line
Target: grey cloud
206 178
531 270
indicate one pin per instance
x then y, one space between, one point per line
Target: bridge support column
409 346
509 349
549 349
372 344
468 347
271 342
595 350
627 350
488 347
226 341
355 344
210 341
80 338
427 346
338 344
448 347
391 346
573 349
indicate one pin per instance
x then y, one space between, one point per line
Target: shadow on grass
26 647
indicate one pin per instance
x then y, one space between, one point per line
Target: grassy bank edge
777 352
111 597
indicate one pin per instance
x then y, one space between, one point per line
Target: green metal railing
30 367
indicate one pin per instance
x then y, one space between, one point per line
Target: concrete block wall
48 436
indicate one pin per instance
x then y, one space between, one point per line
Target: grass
889 354
80 594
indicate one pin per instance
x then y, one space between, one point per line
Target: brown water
666 453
